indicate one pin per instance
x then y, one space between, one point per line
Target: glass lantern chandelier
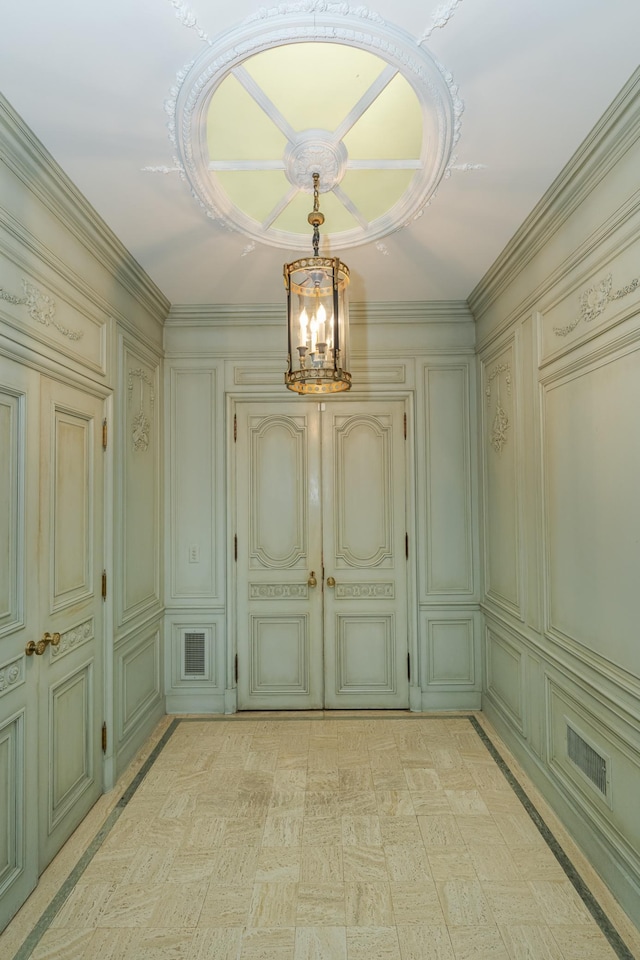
317 317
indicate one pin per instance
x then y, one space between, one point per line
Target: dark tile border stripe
45 921
602 920
606 927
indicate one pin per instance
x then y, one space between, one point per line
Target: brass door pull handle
40 647
331 582
312 581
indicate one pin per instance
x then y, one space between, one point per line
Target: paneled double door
320 515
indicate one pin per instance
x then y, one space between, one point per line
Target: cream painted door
71 556
51 701
364 537
19 623
279 551
321 609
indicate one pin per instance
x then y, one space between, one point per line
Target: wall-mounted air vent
194 655
594 766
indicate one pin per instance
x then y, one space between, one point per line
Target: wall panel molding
500 419
613 813
505 677
138 669
196 508
591 540
138 541
448 512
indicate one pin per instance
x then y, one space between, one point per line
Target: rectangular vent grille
587 759
194 663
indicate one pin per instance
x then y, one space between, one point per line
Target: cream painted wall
558 319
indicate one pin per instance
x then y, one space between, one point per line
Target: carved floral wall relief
41 307
501 374
595 300
141 422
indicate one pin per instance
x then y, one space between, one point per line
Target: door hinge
235 547
235 427
105 433
235 668
405 426
104 584
409 667
406 545
104 737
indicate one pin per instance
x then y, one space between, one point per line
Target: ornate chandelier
317 317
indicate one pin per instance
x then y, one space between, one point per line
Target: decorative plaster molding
11 674
278 591
595 300
141 424
365 591
440 18
41 307
462 167
501 422
188 19
73 638
314 7
163 169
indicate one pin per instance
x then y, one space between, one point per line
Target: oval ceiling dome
287 94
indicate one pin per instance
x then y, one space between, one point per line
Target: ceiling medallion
304 152
315 151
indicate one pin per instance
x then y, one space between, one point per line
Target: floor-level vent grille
592 764
194 655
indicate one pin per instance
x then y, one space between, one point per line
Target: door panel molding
280 655
71 509
278 468
12 444
12 816
71 768
365 655
362 539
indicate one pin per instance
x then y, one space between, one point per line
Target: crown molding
615 132
274 314
30 161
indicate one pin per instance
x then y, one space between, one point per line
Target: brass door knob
312 581
331 582
40 647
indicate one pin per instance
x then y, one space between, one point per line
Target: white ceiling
90 78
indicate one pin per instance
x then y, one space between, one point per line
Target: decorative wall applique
594 301
141 423
41 307
501 422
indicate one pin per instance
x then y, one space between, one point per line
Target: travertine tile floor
319 837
